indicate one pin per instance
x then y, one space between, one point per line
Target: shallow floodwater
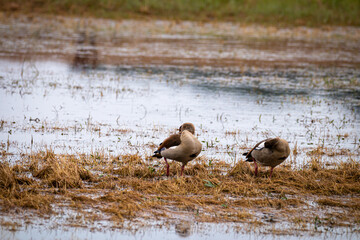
119 110
180 230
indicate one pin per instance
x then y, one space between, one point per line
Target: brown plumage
171 141
174 139
274 152
186 147
187 126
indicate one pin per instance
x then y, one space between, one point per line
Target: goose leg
167 167
182 169
271 171
256 168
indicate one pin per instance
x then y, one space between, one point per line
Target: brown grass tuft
85 174
123 204
354 204
7 177
58 171
317 151
19 169
34 200
242 170
12 194
133 166
83 199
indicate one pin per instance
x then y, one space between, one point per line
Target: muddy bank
133 42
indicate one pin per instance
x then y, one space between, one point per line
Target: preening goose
274 152
182 147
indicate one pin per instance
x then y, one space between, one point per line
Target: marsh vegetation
130 188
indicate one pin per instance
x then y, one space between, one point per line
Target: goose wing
248 154
271 143
171 141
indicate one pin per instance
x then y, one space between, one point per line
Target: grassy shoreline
277 12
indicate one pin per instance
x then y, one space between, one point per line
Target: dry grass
58 171
7 178
129 186
353 204
131 166
12 192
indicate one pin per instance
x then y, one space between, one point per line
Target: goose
274 152
182 147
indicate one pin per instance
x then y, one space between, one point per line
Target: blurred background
299 12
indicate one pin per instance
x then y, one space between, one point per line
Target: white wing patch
262 145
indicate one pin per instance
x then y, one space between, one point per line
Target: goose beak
157 154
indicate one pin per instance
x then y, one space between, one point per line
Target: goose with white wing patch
274 152
182 147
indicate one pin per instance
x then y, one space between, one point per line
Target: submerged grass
300 12
129 186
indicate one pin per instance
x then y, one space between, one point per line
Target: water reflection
183 229
86 56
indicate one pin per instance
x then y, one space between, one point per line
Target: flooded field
100 92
